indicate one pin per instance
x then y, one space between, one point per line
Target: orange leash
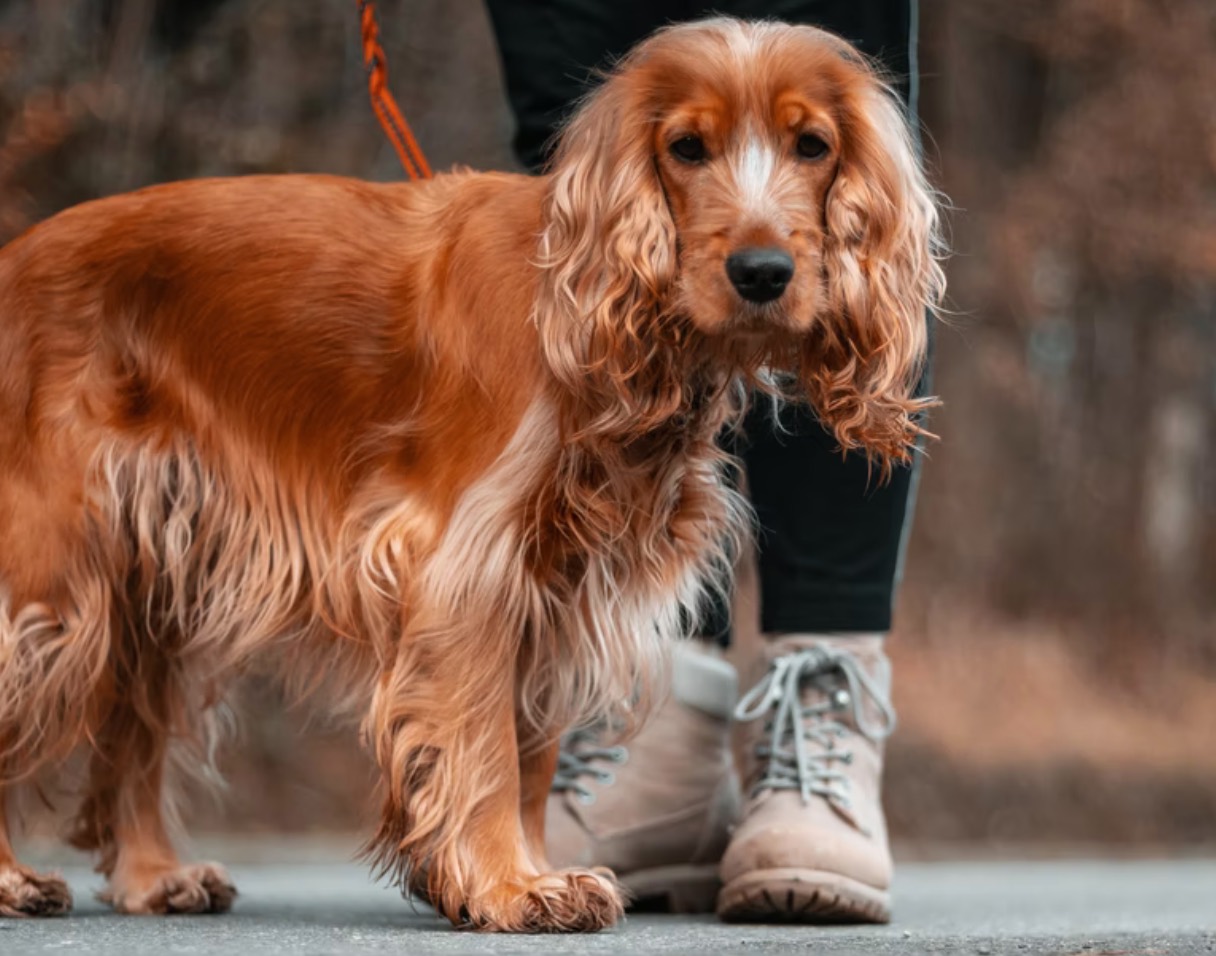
385 107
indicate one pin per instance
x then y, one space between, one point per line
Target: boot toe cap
831 847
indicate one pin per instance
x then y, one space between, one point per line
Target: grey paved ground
974 908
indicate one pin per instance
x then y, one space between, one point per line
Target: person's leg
832 531
812 843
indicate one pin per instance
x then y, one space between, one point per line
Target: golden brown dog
446 451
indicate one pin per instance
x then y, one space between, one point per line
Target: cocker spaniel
444 453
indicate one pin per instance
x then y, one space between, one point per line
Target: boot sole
802 896
685 889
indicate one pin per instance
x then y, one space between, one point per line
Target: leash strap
385 107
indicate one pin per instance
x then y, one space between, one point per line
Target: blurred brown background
1056 642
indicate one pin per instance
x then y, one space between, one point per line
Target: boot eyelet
586 798
619 755
606 777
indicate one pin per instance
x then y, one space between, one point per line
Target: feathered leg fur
446 740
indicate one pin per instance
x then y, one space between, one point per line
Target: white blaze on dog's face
747 194
759 182
748 145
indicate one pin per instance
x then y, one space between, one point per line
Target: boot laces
803 751
579 755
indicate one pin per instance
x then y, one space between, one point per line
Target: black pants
831 534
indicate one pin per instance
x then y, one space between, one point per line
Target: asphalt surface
976 908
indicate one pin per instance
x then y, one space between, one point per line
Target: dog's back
195 380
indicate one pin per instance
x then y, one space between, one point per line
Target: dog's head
749 187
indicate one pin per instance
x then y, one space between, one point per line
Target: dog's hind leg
45 693
123 815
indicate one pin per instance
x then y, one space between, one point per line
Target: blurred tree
1078 138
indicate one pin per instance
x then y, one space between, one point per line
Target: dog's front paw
201 888
566 901
26 893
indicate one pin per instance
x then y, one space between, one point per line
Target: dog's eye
689 149
811 146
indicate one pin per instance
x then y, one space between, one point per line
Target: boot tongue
871 714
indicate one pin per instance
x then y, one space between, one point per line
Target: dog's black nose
760 275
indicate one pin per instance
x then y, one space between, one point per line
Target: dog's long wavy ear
861 366
608 258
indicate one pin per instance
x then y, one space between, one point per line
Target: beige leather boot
812 844
657 811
